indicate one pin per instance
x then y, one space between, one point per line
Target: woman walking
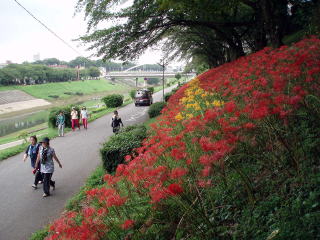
45 158
60 123
32 152
115 122
74 119
84 116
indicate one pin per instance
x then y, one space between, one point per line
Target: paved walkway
22 209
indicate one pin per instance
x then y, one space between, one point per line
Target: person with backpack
74 119
45 159
116 122
32 152
60 123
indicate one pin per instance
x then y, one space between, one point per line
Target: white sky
21 36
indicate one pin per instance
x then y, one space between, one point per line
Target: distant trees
19 74
49 70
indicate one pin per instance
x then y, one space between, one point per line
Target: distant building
58 66
36 57
103 71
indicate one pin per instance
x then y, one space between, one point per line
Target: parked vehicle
143 97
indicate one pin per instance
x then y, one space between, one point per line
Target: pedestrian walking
74 119
45 158
32 152
116 122
60 123
84 115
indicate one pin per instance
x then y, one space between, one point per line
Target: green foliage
153 81
6 153
94 72
40 234
155 109
113 100
55 112
120 145
151 89
215 31
178 76
132 93
167 96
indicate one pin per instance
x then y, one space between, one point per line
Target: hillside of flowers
234 155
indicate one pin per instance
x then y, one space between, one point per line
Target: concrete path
22 209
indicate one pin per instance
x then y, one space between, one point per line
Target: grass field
63 89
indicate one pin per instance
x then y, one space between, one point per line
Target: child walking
45 159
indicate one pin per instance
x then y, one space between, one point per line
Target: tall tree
215 30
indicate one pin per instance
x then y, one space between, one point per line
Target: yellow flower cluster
197 100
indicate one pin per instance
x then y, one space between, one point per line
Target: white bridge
137 74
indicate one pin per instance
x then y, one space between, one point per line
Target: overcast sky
21 37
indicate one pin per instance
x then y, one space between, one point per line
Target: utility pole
163 64
78 73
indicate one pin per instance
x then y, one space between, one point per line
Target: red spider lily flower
204 183
189 161
210 115
115 200
157 194
206 171
88 212
92 193
295 100
122 170
127 224
127 158
230 106
175 189
260 112
214 133
178 153
178 173
249 125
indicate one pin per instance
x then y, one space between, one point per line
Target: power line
56 35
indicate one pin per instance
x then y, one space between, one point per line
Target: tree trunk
274 15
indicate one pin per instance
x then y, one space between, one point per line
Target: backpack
115 122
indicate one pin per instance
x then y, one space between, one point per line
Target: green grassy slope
59 89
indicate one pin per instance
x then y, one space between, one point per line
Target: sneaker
34 186
45 195
40 182
53 185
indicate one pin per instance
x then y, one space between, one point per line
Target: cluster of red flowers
181 153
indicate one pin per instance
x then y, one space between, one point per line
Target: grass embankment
63 90
234 156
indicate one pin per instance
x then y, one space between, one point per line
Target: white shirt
74 114
84 113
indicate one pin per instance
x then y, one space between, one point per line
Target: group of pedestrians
75 123
42 154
